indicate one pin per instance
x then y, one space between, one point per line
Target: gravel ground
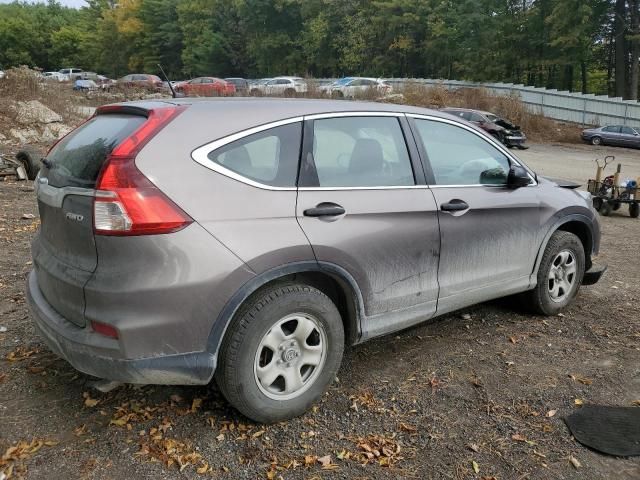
577 161
476 394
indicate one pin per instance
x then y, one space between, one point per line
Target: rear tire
559 275
634 210
30 159
262 369
606 208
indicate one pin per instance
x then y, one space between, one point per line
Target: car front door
489 232
364 207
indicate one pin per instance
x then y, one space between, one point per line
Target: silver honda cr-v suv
251 239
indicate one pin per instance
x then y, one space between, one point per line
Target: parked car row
352 87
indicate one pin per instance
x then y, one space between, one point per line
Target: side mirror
518 177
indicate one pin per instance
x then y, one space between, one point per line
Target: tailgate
64 251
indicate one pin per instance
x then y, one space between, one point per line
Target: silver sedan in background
618 135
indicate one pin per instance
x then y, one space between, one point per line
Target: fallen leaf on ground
476 467
581 379
406 427
518 438
551 413
574 461
578 402
474 447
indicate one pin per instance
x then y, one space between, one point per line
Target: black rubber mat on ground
611 430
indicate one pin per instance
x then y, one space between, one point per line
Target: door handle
325 209
454 205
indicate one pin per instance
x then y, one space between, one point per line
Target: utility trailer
609 194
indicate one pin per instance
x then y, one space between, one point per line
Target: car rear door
489 232
628 137
364 207
611 135
64 250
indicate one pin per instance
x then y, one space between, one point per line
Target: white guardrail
572 107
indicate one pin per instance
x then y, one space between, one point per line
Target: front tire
559 275
596 141
280 353
498 136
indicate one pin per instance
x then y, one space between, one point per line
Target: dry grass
23 84
537 127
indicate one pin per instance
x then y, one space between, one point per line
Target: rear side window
77 159
361 152
460 157
269 157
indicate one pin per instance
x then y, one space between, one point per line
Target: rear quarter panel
257 225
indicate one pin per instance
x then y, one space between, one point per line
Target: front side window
460 157
628 131
269 157
361 152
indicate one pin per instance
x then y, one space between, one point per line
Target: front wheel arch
577 224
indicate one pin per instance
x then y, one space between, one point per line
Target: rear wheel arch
332 280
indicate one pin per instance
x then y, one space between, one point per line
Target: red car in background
206 87
141 80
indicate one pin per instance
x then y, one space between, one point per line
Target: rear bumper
593 275
100 356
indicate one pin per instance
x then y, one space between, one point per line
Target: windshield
492 118
343 81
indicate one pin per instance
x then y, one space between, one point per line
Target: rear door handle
325 209
454 205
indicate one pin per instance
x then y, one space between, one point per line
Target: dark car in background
617 135
503 130
241 84
141 80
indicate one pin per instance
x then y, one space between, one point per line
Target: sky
67 3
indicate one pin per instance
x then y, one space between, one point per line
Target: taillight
104 329
126 202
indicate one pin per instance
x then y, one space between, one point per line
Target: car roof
198 122
264 110
287 78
